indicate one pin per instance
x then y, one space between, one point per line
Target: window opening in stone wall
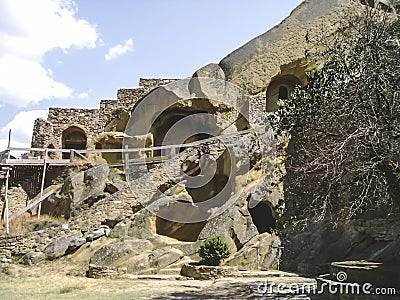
283 93
73 138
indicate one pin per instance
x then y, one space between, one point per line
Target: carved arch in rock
280 88
73 138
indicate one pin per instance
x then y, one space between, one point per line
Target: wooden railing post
6 203
43 179
71 155
126 157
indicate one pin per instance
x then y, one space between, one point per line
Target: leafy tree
344 154
214 249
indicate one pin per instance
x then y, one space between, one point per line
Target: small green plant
214 249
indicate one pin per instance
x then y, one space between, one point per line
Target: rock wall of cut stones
63 118
91 121
42 134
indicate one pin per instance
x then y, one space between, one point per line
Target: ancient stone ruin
109 226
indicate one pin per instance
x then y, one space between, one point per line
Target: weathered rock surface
116 185
262 252
311 251
33 257
207 272
211 71
281 50
109 211
235 224
60 246
109 254
136 256
98 233
161 258
85 185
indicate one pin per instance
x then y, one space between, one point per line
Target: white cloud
24 81
28 30
84 95
21 128
118 50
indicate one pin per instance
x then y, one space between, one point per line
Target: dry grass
27 223
49 281
71 287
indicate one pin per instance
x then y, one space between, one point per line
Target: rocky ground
55 281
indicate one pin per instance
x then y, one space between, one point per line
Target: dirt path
53 282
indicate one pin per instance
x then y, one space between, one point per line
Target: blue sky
63 53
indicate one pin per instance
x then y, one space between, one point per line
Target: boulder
137 263
62 245
116 185
262 252
110 254
98 233
75 244
211 70
33 257
204 272
85 185
235 224
161 258
136 256
142 225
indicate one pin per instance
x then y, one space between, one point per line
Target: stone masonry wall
91 121
42 134
18 245
63 118
152 83
127 99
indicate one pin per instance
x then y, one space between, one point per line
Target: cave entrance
185 232
73 138
199 127
114 158
194 129
280 88
262 217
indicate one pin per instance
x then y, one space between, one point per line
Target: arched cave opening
185 232
280 88
73 138
194 129
262 217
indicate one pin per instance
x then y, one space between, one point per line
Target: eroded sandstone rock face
60 246
79 189
85 185
262 252
281 50
373 239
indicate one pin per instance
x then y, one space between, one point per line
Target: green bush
214 249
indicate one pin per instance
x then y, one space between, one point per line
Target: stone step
263 274
156 277
170 271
